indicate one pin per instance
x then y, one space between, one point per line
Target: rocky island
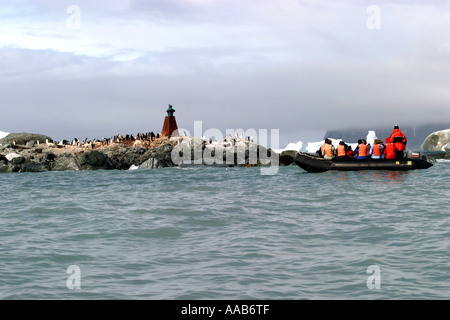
25 152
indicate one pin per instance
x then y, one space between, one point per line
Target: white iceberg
371 136
312 147
309 147
297 146
3 134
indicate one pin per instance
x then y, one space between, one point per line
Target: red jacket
389 151
398 139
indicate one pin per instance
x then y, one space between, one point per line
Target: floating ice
371 136
312 147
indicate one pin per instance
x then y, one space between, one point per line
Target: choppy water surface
225 233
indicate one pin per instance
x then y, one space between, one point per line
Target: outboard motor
413 155
419 156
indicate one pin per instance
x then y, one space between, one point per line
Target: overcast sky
98 68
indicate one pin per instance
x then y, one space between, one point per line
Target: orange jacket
341 151
376 150
328 148
363 150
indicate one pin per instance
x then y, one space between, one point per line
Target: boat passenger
329 151
350 152
341 151
376 150
357 147
389 150
363 150
383 146
399 140
320 151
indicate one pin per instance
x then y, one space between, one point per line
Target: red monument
170 124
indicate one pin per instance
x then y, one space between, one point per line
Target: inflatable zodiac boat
313 163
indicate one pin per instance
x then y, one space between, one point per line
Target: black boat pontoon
313 163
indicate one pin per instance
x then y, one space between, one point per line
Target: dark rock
15 168
24 138
159 158
94 160
4 167
33 167
49 156
123 158
438 155
18 160
64 163
287 157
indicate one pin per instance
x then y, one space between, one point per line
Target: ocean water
225 233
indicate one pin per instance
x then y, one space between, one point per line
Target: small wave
442 160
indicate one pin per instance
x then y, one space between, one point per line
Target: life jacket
389 151
398 139
328 150
363 150
341 151
376 150
323 146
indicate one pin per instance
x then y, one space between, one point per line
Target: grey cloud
96 102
